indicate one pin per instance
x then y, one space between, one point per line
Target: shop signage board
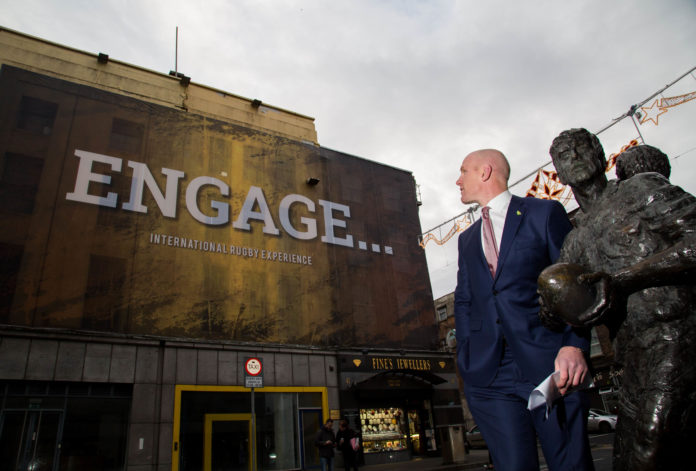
377 363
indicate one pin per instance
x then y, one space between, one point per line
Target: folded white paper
547 391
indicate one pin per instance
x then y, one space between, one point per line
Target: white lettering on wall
255 197
233 250
330 223
142 177
85 175
222 210
254 208
284 214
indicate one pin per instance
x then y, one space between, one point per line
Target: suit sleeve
462 305
558 228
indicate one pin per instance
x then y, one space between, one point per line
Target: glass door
310 422
227 442
29 440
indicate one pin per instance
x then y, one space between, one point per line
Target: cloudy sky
415 84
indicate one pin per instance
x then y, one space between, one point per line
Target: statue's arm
673 266
671 213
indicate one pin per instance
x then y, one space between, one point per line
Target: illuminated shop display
383 429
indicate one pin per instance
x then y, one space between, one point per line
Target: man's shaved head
483 175
495 159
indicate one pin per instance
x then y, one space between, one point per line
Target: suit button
497 321
495 292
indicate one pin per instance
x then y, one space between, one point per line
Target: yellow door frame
208 440
179 388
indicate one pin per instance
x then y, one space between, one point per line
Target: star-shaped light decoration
653 112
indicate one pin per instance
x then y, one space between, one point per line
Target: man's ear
486 172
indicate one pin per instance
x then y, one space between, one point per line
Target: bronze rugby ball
563 294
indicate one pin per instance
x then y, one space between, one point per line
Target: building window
126 136
68 426
10 262
19 182
441 313
36 115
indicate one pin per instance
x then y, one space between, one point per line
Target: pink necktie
490 248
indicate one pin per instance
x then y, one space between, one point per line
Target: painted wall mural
123 216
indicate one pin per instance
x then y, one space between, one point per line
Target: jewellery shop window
383 429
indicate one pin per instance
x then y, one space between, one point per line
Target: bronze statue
634 240
642 159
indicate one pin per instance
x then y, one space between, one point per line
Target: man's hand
571 364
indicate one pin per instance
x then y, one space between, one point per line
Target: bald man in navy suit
503 350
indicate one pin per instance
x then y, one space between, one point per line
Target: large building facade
156 235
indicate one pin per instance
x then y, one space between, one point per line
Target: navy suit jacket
489 310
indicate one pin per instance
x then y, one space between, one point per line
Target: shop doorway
286 423
310 422
414 432
227 443
29 439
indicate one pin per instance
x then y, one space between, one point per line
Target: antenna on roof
176 52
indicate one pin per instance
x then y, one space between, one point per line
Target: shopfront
63 425
392 400
226 428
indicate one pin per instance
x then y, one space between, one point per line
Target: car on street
600 421
474 438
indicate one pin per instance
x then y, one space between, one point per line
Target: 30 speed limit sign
253 366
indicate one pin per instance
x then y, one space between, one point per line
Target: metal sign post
253 378
253 432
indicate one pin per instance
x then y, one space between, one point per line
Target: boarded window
10 260
36 115
19 183
126 136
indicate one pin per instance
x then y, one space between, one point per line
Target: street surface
601 445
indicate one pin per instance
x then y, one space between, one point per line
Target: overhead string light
459 224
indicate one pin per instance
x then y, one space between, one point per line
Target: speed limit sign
253 366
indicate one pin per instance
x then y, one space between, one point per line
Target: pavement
476 459
600 444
